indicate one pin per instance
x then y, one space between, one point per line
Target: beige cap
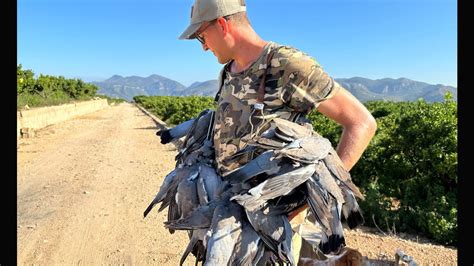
208 10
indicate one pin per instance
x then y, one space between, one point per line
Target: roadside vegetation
46 90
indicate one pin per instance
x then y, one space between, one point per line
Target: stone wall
36 118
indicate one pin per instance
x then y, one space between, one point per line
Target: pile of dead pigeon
242 218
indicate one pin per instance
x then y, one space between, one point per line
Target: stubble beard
222 60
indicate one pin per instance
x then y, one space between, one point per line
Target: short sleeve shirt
295 83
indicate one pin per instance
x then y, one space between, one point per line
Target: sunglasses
198 34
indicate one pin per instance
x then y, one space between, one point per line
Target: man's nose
204 47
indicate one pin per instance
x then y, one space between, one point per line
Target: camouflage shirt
295 83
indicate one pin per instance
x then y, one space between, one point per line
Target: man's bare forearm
354 140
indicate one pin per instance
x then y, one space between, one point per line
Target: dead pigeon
276 186
169 186
226 227
275 231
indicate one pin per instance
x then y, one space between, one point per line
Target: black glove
165 136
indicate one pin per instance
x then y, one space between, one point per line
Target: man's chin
222 61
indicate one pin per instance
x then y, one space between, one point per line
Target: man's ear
224 25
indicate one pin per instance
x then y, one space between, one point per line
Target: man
293 85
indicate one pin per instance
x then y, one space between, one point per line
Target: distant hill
206 88
364 89
128 87
401 89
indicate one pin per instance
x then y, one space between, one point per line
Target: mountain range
388 89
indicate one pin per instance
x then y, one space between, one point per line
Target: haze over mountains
364 89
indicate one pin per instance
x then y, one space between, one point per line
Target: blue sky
95 39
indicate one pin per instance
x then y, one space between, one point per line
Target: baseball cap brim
188 34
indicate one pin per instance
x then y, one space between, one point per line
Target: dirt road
83 185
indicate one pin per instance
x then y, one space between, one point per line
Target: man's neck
248 50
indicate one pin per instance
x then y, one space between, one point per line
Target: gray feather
264 163
181 130
275 231
226 228
273 187
162 192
